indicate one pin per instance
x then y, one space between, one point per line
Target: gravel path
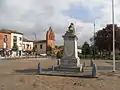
21 75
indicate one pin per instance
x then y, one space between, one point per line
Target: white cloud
30 16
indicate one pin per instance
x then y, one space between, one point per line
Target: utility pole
113 36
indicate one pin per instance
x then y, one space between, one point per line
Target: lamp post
5 45
113 36
94 41
35 46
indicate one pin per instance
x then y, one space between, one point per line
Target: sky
36 16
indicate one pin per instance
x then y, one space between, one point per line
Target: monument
69 64
70 60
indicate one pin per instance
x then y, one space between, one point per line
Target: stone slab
68 69
49 72
67 74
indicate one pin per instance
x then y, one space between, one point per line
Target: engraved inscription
69 48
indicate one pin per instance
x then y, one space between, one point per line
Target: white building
27 45
17 39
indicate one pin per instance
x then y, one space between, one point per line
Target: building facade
14 41
50 38
27 46
46 46
41 47
5 40
11 41
17 40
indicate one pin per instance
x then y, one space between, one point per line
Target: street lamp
94 41
35 46
113 36
5 45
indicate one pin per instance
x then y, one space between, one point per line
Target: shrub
59 54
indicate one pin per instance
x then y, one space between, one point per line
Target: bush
117 57
15 47
59 54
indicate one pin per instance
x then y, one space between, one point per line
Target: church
46 47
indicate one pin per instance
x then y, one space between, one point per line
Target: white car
43 54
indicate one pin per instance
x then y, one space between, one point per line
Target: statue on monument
71 28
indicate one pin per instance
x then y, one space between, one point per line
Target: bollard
58 62
83 64
39 68
53 68
91 63
94 70
81 68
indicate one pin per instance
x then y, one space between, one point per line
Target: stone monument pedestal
70 60
69 65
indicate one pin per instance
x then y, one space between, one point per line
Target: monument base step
68 69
